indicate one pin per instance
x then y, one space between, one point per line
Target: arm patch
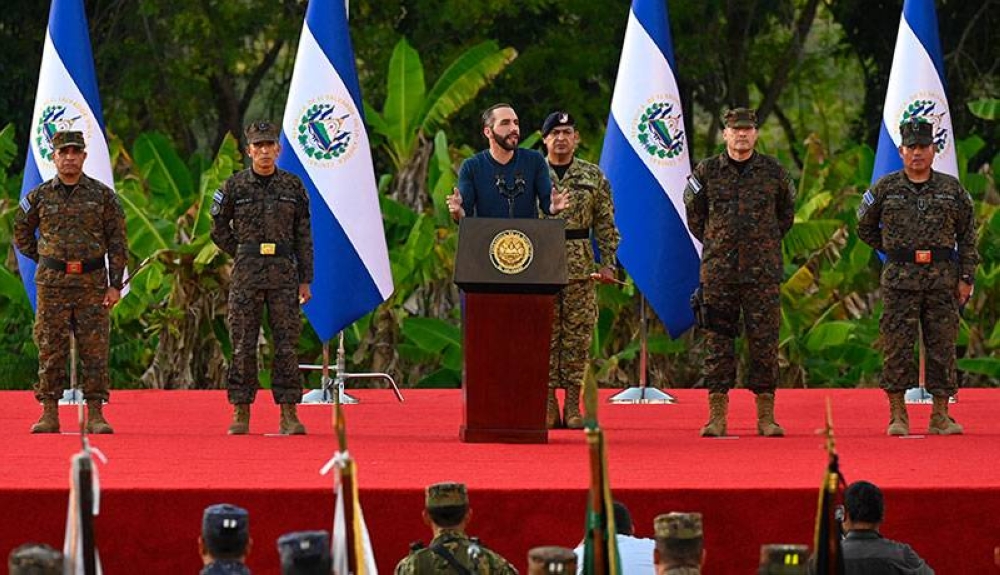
866 202
693 185
25 204
217 198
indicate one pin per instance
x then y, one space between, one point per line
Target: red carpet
171 457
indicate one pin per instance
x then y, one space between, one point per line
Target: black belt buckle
922 256
74 267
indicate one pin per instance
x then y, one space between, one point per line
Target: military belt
922 256
74 267
578 234
264 249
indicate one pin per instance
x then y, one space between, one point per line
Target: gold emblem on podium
511 251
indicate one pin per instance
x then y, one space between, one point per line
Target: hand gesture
559 201
454 202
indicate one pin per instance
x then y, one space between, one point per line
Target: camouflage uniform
466 551
740 218
589 208
897 217
82 224
680 530
35 559
252 213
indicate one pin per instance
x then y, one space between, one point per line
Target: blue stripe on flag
655 246
886 155
327 23
26 267
922 19
343 288
652 14
72 43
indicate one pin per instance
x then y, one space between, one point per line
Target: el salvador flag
66 99
916 88
323 141
645 157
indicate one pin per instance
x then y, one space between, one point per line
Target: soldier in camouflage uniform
590 208
451 551
35 559
780 559
225 540
261 218
79 221
551 560
680 545
739 205
924 222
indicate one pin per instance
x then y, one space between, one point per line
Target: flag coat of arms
66 99
646 159
324 142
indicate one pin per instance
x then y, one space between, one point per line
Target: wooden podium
510 270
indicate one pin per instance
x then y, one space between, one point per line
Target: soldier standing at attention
576 305
447 512
79 221
261 218
739 205
504 181
924 222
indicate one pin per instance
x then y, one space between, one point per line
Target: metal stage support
324 395
642 393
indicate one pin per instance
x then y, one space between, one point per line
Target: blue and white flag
323 141
916 88
646 159
66 99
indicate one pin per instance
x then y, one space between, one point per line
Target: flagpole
642 393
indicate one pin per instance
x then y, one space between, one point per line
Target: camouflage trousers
760 304
246 309
572 333
936 312
61 309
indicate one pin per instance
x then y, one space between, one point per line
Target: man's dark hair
488 113
448 515
681 551
863 502
623 519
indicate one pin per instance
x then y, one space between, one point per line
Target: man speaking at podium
504 181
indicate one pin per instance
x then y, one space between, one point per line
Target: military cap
446 495
556 119
262 131
916 132
783 560
741 118
35 559
551 559
677 525
225 528
66 138
305 553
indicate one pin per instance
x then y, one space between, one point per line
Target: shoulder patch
693 185
866 202
25 204
217 198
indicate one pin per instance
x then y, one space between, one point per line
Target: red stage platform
171 457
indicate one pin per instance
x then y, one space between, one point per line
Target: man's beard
505 142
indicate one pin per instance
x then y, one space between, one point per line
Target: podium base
474 435
642 395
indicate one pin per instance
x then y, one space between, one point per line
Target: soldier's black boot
49 421
241 419
766 425
552 420
941 422
718 411
290 424
95 418
899 420
571 408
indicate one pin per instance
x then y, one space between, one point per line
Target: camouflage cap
225 528
740 118
916 132
556 119
305 552
781 559
262 131
551 559
447 494
677 525
35 559
67 138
